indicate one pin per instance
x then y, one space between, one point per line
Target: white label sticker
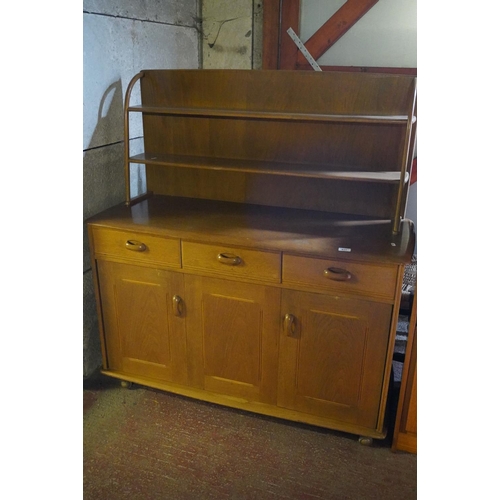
343 249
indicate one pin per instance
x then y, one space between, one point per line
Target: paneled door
332 356
233 331
143 316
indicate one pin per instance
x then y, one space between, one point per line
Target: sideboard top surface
302 232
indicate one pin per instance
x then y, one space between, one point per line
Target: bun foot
365 441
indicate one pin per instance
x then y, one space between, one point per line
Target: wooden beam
363 69
290 18
271 34
343 20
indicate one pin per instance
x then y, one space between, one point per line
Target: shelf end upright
126 136
408 147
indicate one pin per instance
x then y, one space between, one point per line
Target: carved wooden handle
337 274
136 246
229 259
291 326
178 305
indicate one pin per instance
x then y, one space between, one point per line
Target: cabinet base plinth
250 406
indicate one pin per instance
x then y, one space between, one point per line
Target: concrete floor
145 444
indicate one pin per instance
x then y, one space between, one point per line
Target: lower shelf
242 404
338 172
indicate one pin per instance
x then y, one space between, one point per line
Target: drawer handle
178 304
337 274
229 259
291 325
135 246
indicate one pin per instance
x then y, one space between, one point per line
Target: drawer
366 279
139 247
218 260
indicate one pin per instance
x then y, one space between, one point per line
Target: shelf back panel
344 147
278 91
355 198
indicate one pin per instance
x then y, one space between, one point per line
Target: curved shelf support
409 139
126 135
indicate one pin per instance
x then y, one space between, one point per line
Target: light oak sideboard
262 269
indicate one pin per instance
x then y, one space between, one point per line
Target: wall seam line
112 143
140 20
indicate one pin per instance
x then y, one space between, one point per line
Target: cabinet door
332 356
233 332
144 327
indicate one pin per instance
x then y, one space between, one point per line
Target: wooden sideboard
263 268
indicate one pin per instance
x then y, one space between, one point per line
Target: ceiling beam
362 69
343 20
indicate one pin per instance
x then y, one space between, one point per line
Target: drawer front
367 279
218 260
141 248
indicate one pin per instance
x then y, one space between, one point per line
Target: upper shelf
272 115
271 168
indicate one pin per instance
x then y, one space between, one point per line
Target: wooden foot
365 441
125 384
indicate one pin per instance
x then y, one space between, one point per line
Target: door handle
178 305
291 326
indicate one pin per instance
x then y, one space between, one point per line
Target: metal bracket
302 48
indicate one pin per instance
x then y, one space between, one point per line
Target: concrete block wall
121 37
232 34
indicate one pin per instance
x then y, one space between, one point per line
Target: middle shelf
272 115
268 168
